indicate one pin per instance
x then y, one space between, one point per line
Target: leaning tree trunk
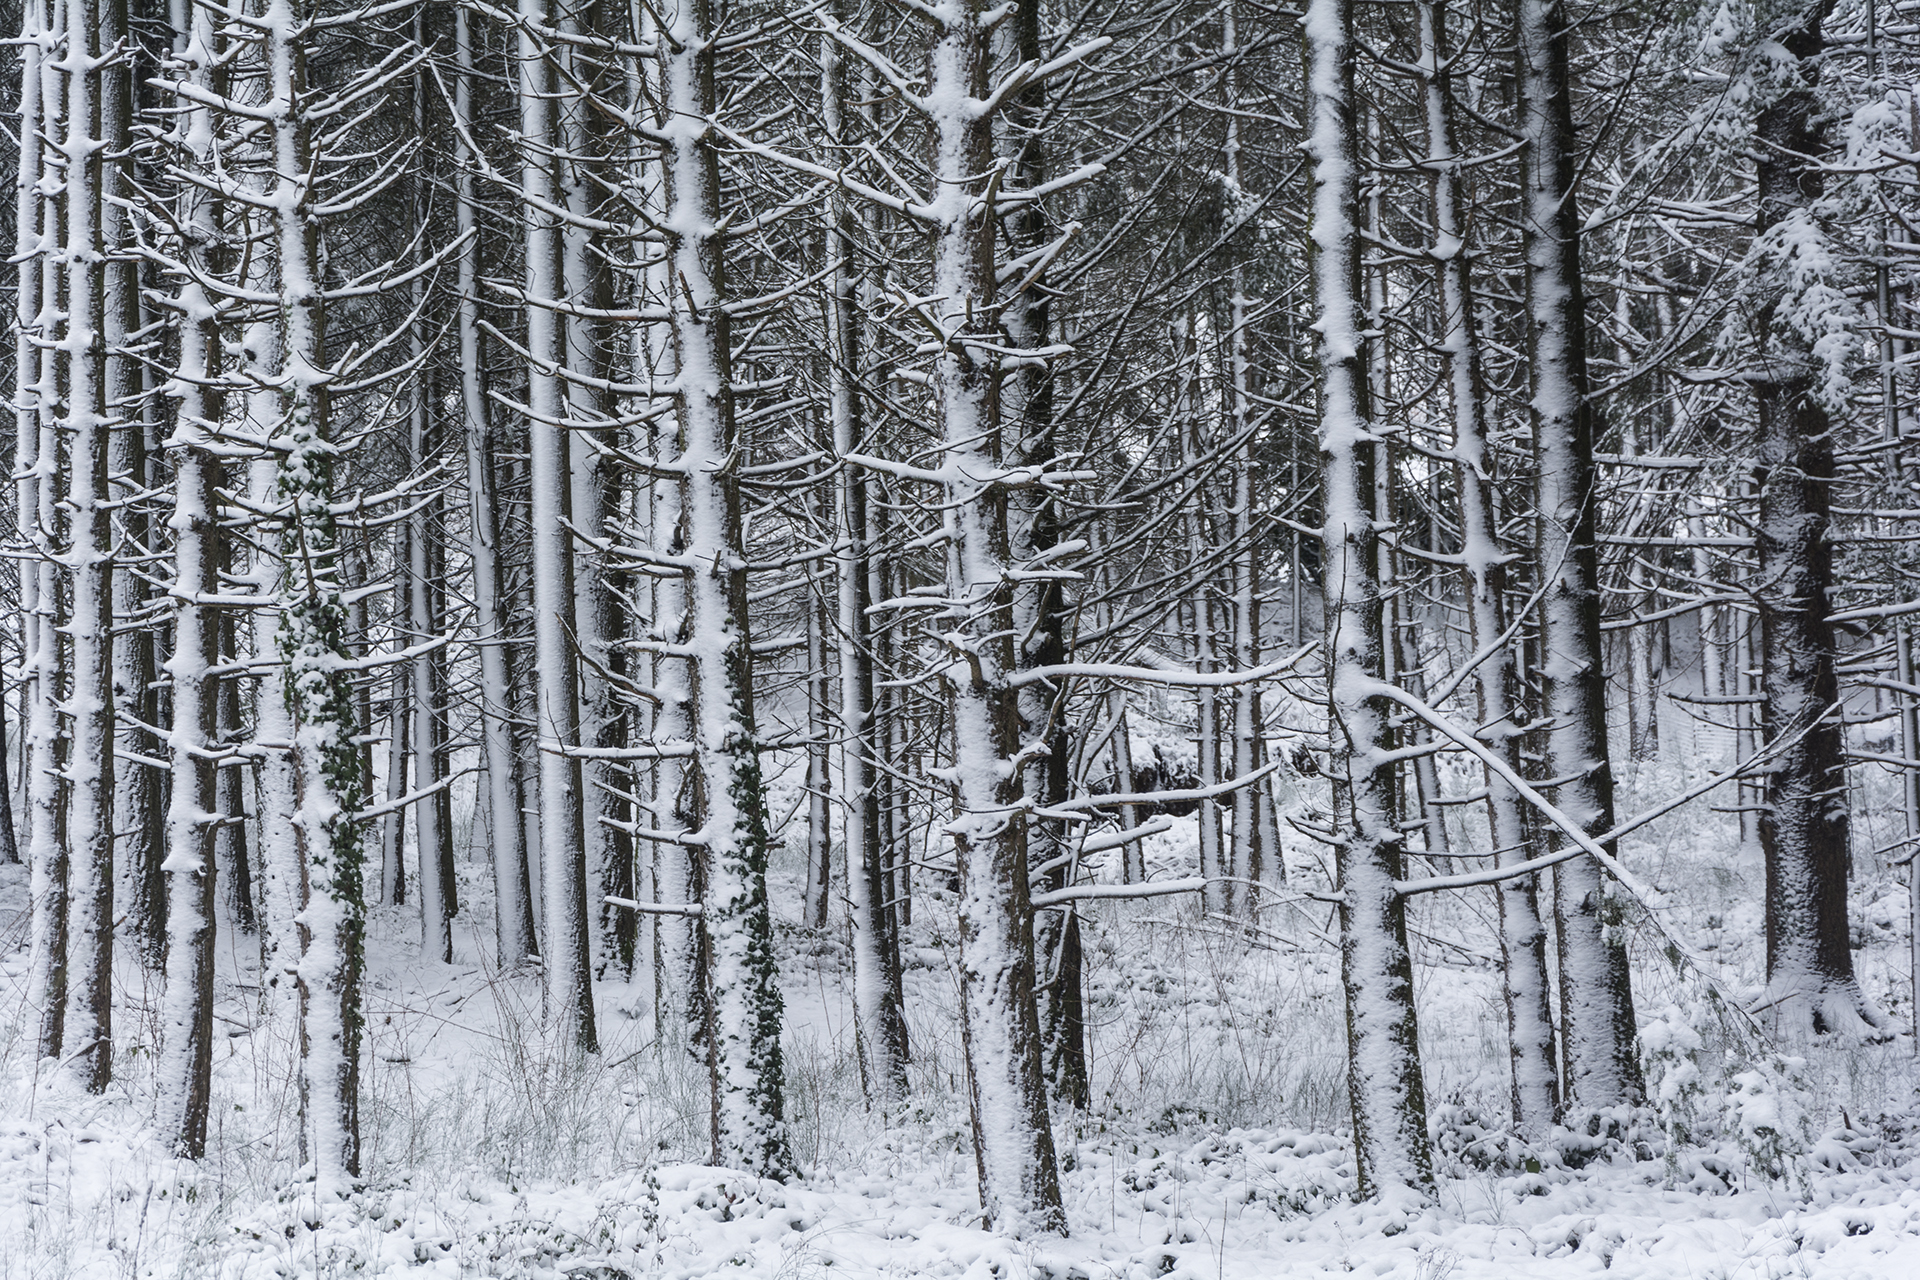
1383 1064
1811 987
1596 995
1483 560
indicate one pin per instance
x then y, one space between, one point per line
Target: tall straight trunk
1596 995
1804 829
880 1026
1206 703
140 806
89 425
324 759
184 1076
433 834
818 888
283 877
232 856
743 1005
1383 1064
1133 859
1483 561
586 283
1000 1031
1249 852
26 379
1040 605
46 744
513 917
879 1002
183 1072
557 711
394 880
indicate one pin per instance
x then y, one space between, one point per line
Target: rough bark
1383 1065
1804 827
1596 995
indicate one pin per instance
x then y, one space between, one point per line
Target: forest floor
1214 1147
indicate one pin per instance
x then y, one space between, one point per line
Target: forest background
990 593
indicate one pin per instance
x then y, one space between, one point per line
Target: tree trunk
88 1033
562 832
1523 935
1596 996
743 993
1000 1032
1804 829
1383 1064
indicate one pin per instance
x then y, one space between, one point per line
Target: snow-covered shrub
1468 1139
1766 1117
1670 1047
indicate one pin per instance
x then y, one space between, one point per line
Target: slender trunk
324 761
819 856
28 390
556 724
183 1081
88 1034
513 916
1523 935
393 828
140 805
46 744
433 836
880 1026
1383 1064
1596 996
183 1072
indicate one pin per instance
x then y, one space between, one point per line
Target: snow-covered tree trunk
1040 604
433 835
88 423
394 880
183 1072
1804 827
743 1005
1249 852
594 497
817 890
183 1076
26 376
323 759
1483 560
878 1005
1383 1064
140 803
563 867
45 745
1596 997
513 916
1013 1142
1206 702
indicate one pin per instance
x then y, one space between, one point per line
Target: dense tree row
585 411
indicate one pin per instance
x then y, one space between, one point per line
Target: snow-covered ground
1214 1148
